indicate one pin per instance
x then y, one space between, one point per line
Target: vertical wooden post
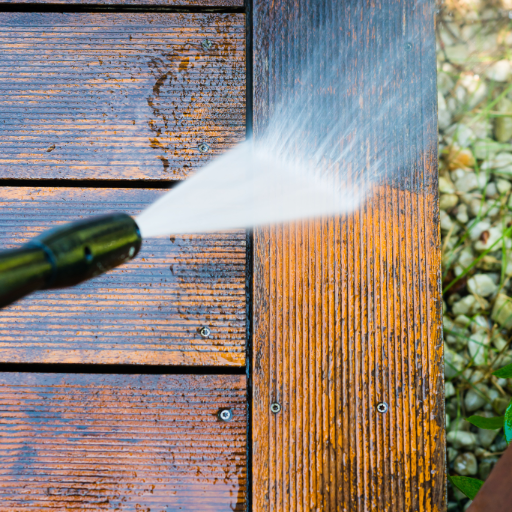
347 311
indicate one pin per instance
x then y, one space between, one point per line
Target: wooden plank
148 311
167 3
347 311
496 493
122 442
118 96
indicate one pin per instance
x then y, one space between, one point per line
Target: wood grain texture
148 311
118 96
347 311
122 442
180 3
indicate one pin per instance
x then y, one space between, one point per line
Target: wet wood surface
347 311
149 311
122 442
161 3
119 95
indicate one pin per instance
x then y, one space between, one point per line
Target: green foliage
508 422
467 485
505 372
486 423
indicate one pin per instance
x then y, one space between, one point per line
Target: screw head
408 47
225 414
203 147
205 332
382 407
275 408
206 44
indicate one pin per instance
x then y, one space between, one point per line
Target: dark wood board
118 96
160 3
347 311
148 311
122 442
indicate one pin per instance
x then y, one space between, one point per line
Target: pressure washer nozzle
68 255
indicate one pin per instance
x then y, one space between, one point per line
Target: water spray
320 155
68 255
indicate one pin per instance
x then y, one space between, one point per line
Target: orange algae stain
183 64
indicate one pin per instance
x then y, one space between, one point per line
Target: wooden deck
347 311
150 3
331 319
119 96
149 311
114 442
122 97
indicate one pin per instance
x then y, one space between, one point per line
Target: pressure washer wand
68 255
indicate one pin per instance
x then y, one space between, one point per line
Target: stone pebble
475 200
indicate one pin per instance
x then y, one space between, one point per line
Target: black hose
68 255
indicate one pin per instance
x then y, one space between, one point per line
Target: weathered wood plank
183 3
347 311
148 311
122 442
118 96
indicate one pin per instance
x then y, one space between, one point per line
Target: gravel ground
475 180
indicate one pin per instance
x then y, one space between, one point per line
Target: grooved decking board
122 442
118 96
347 311
148 311
184 3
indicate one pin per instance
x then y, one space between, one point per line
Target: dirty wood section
148 311
119 96
122 442
161 3
347 311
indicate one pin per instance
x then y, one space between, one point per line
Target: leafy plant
467 485
508 423
470 486
504 373
487 423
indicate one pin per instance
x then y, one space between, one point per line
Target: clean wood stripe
119 96
148 311
107 461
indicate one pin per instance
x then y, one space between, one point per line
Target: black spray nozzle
68 255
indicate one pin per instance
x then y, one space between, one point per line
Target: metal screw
206 44
408 47
275 407
203 147
205 332
382 407
225 415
